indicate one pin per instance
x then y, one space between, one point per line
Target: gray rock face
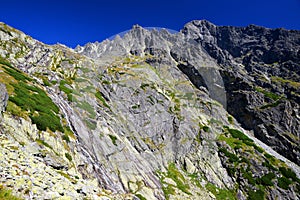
261 76
143 116
3 97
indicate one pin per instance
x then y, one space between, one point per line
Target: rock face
3 97
261 73
146 116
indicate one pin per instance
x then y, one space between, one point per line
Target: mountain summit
210 112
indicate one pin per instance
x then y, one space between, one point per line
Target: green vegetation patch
277 79
87 107
90 124
288 173
284 183
42 142
141 197
266 180
113 139
232 157
256 195
268 94
17 74
68 156
65 89
100 97
174 174
245 139
6 194
30 99
221 194
178 178
42 111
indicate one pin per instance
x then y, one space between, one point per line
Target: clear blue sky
73 22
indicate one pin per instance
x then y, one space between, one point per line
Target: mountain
210 112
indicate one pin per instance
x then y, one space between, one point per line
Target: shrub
231 156
99 96
113 139
66 138
63 88
230 119
284 182
3 61
17 74
68 156
266 179
33 99
248 175
205 128
288 173
256 195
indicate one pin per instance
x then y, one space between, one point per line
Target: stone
149 109
3 97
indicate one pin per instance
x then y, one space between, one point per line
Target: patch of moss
268 165
232 157
17 74
230 119
232 142
195 179
64 88
266 180
205 128
277 79
178 178
168 190
6 194
113 139
90 124
221 194
46 82
268 94
271 105
42 142
99 96
68 156
247 174
67 176
141 197
66 138
256 195
87 107
284 183
288 173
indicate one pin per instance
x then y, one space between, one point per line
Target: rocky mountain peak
206 113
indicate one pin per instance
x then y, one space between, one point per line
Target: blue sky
73 22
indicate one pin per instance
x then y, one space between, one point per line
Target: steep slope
261 73
141 116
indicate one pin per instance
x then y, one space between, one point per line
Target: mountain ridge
137 117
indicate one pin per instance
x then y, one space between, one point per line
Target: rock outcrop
261 70
3 97
142 116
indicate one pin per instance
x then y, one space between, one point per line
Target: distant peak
136 26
